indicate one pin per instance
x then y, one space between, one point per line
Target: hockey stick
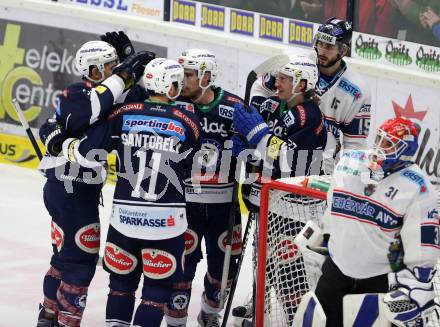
235 280
26 127
266 66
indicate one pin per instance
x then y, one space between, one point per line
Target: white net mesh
289 274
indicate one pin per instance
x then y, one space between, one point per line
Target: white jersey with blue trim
378 227
346 105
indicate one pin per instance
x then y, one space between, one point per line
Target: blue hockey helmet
335 30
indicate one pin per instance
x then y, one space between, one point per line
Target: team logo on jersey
158 264
289 119
225 111
191 240
416 178
269 105
118 260
433 214
236 240
350 88
185 106
209 153
284 250
179 300
57 235
160 125
214 127
88 238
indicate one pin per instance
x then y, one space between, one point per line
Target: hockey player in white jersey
345 97
383 224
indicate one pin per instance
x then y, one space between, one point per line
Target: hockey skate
208 319
45 319
243 314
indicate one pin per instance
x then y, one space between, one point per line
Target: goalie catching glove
411 299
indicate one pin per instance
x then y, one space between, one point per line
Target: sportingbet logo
150 123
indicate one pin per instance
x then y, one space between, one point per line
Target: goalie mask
94 53
300 68
160 74
202 61
396 143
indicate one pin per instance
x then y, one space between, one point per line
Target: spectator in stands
416 28
431 20
378 17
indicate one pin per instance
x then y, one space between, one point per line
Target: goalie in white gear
383 223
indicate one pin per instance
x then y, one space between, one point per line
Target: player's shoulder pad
136 94
416 178
231 99
125 108
189 119
185 105
76 90
353 84
271 104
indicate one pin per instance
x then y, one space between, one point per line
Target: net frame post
262 237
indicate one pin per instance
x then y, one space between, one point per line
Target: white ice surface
25 253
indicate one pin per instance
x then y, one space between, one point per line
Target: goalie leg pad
310 312
364 310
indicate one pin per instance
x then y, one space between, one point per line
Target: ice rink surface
25 250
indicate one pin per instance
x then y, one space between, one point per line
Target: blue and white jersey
154 144
377 227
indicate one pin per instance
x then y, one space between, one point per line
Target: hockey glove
119 41
53 136
249 123
238 145
133 66
411 298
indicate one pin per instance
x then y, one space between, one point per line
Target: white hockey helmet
301 68
200 60
94 53
160 74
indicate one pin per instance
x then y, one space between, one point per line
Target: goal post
282 278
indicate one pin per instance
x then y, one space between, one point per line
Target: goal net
283 274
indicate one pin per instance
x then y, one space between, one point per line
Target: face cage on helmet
393 152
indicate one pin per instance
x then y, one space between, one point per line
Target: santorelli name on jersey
151 142
160 125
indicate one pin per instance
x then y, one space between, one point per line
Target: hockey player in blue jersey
155 142
209 191
287 128
72 193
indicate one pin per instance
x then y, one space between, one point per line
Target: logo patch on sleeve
57 235
118 260
158 264
88 238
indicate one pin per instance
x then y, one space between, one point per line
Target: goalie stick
266 66
26 127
